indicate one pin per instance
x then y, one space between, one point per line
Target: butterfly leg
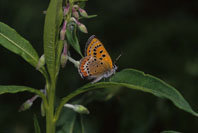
97 79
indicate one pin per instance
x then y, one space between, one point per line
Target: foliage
53 47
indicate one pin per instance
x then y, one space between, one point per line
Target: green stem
76 63
50 122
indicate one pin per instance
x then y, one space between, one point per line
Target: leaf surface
53 21
72 37
137 80
15 89
12 41
36 125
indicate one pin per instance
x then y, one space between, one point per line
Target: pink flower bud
82 27
27 104
63 30
65 10
83 13
73 19
75 13
76 7
64 55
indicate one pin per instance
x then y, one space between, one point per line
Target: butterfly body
97 63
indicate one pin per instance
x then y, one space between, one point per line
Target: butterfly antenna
117 58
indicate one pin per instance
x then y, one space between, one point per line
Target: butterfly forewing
95 48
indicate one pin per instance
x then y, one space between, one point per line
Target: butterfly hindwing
92 67
95 48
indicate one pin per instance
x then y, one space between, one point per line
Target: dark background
157 37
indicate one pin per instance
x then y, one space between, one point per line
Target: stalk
50 122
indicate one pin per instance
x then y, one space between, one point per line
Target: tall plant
62 21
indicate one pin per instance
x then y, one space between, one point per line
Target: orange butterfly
97 63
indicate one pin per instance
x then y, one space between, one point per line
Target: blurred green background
157 37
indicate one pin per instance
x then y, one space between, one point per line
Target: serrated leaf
137 80
11 40
53 20
36 125
15 89
72 37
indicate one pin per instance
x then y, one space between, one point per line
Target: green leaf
82 124
78 126
137 80
15 89
67 121
92 16
36 125
80 0
72 37
53 19
89 16
70 121
11 40
170 131
81 3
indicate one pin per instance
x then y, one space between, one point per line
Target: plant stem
50 122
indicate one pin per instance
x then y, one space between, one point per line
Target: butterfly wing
92 67
95 48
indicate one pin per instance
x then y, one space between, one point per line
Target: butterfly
97 63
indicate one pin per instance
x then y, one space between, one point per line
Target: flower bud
27 104
83 13
63 30
63 60
76 7
73 19
65 10
64 55
75 13
77 108
41 62
82 27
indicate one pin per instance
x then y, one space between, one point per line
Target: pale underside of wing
91 67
